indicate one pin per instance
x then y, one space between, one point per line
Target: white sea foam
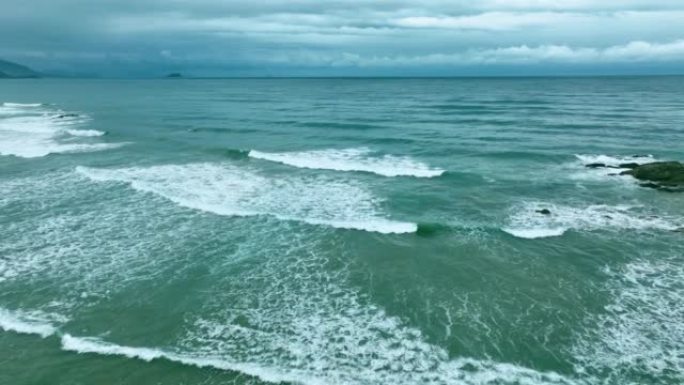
22 105
641 331
614 161
228 190
290 314
527 222
535 232
27 322
94 345
462 371
353 159
612 169
86 133
31 131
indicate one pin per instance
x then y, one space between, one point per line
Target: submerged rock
596 165
659 174
650 185
628 165
544 211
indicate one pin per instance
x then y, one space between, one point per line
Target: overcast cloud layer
354 37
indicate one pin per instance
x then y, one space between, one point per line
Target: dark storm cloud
341 37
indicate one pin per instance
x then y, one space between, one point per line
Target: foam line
26 323
353 159
227 190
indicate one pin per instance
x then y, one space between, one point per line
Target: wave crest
353 159
527 221
232 191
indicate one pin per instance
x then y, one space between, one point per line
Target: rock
544 211
67 116
650 185
661 173
596 165
628 165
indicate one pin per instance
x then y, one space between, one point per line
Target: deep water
339 231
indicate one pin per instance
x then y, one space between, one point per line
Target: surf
232 191
37 130
352 159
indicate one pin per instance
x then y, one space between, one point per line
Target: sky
140 38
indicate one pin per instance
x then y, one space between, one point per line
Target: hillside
17 71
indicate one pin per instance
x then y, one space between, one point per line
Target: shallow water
332 231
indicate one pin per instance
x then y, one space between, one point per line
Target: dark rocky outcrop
596 165
663 176
628 165
662 173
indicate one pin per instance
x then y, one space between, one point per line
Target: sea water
339 231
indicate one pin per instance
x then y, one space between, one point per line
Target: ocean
339 231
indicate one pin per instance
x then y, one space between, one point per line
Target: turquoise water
330 231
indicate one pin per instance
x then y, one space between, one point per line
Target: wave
614 161
85 133
609 166
37 323
31 131
353 159
461 370
528 222
22 104
228 190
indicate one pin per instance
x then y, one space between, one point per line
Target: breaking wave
232 191
36 130
527 220
353 159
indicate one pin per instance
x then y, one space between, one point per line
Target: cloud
633 52
153 35
494 21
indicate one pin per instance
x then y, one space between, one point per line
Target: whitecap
614 160
22 105
232 191
611 170
31 132
527 222
86 133
353 159
535 232
27 322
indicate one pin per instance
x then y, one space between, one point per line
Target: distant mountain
16 71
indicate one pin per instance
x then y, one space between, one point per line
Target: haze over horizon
351 38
